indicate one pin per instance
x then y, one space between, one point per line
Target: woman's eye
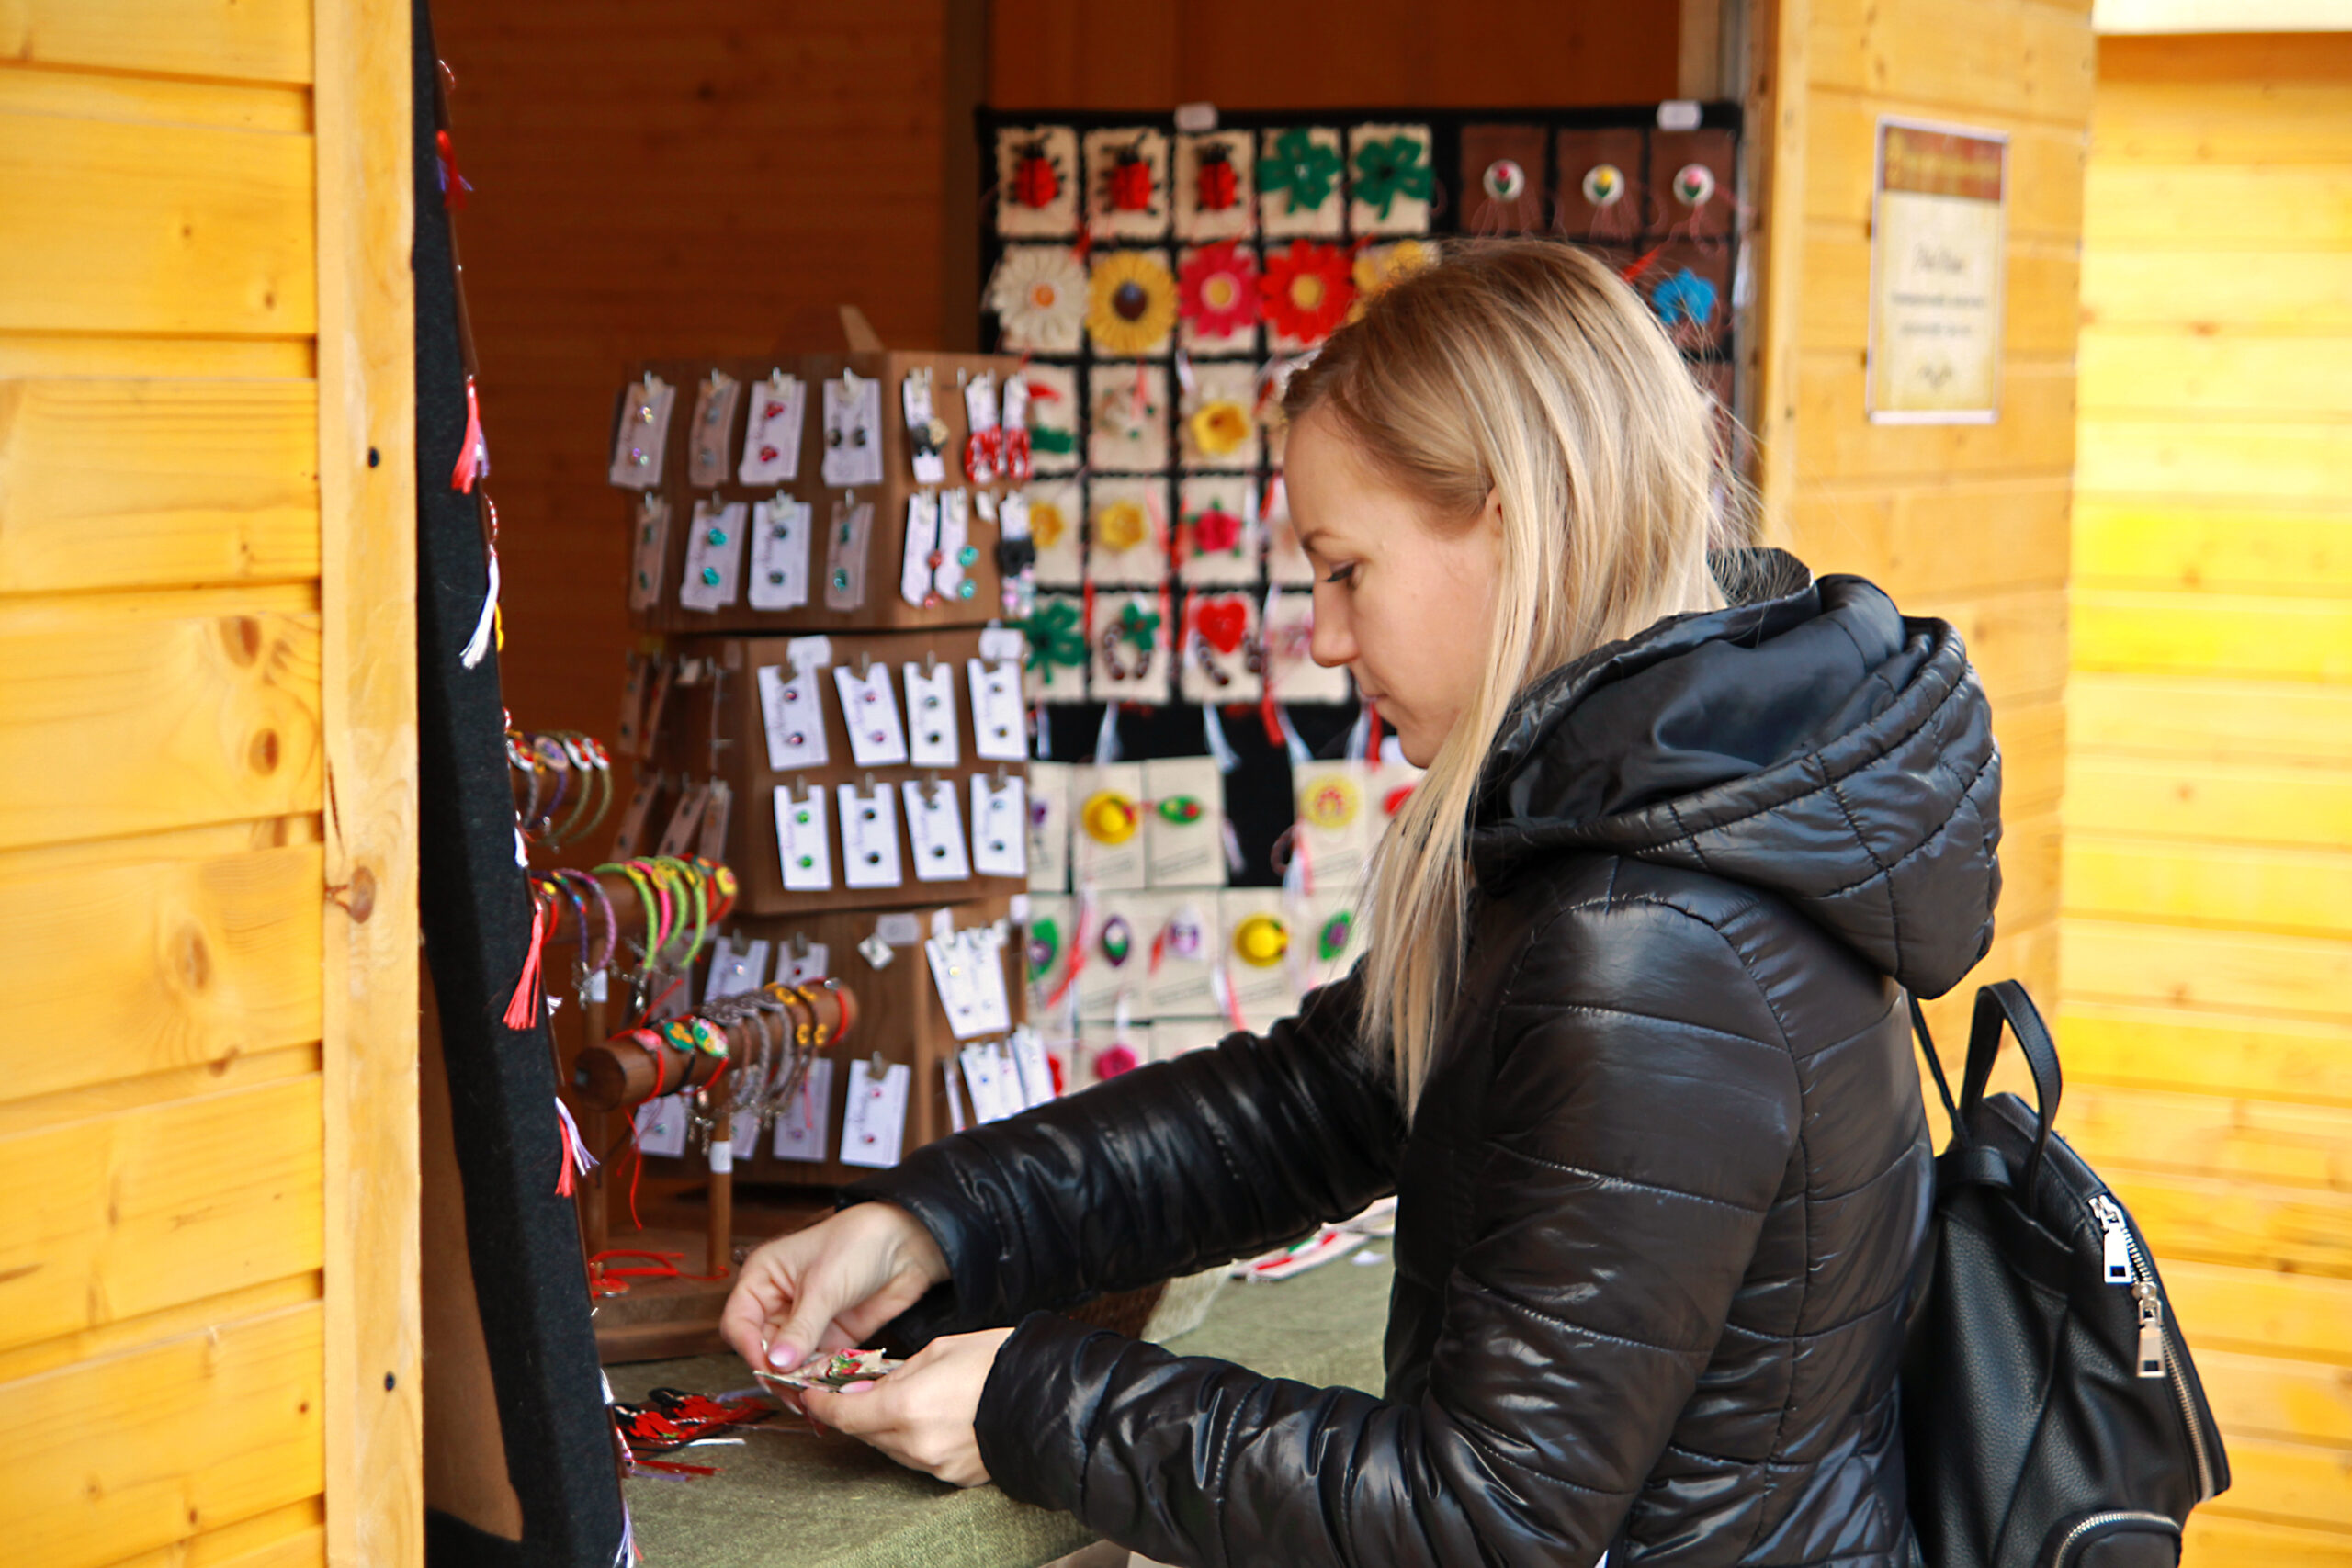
1343 574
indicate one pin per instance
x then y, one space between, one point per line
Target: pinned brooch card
1334 935
1038 296
772 431
1221 658
1130 303
1037 181
1216 532
1333 829
1127 183
1127 528
1256 955
1055 668
712 432
1216 186
935 830
1184 834
1106 807
1049 787
932 739
869 837
1053 418
1128 655
870 712
1182 938
853 429
1390 184
1047 934
847 540
1128 431
999 732
1216 419
1116 965
643 432
804 846
1501 179
714 556
1055 511
1291 676
1216 299
1600 193
1299 182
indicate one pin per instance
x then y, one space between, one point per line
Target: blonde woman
1629 1047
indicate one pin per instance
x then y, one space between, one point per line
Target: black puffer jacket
1663 1196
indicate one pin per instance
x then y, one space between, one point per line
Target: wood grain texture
1964 537
2162 372
2298 892
2247 1223
2307 1483
2151 1046
2202 1135
2035 433
293 1537
367 463
2220 1541
2292 292
2263 637
259 40
2286 459
2237 971
109 483
2044 171
1967 57
2263 1310
2039 311
120 1334
114 226
2229 803
2016 640
81 353
88 95
2197 718
2169 541
2264 1396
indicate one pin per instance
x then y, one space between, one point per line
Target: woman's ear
1490 516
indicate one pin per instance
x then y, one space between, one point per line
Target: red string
1371 732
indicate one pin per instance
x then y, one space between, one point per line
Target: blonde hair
1528 371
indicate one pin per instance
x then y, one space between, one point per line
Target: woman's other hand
921 1415
829 1286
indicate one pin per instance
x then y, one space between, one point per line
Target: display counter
793 1498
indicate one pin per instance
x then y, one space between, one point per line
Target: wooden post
721 1256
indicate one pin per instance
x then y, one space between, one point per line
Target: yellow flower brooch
1130 303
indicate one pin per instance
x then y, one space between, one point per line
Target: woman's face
1402 598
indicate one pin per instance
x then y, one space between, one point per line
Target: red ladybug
1035 181
1131 182
1218 188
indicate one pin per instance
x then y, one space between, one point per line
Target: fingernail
860 1386
782 1356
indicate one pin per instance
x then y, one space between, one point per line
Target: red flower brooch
1218 290
1307 290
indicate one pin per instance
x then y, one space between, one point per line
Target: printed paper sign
1935 275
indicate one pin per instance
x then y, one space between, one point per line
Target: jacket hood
1811 741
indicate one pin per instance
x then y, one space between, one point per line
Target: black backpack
2052 1417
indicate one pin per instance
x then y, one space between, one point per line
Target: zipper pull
2115 1241
2151 1331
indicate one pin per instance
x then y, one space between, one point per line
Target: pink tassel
473 458
523 1008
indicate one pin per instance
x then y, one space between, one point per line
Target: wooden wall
207 1259
1965 522
2208 890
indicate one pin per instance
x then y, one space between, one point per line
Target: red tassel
523 1009
473 458
453 185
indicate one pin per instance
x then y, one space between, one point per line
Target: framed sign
1937 221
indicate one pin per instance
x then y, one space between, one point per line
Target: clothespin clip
865 664
866 784
930 786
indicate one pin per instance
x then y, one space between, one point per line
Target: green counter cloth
790 1498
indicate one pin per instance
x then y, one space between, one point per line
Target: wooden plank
2120 961
2041 310
239 106
119 1334
2300 293
2283 459
2160 540
2045 168
119 227
2204 1135
109 483
2299 892
2244 636
2262 1312
109 1096
1961 537
2150 1046
264 40
2217 802
2228 60
2201 720
2035 433
292 1537
2289 1483
1968 58
2247 1223
2217 1541
2267 122
2264 1396
2031 862
2177 372
143 1449
1778 102
2034 757
87 353
2162 208
174 962
2016 641
107 695
374 1436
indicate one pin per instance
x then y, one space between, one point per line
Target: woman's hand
829 1286
921 1415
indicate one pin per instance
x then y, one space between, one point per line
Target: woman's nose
1332 643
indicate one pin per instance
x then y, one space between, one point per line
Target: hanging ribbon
1220 750
1299 755
1106 738
486 624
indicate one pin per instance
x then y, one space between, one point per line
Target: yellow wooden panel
143 1449
2262 1312
239 105
125 483
79 354
108 697
2157 372
2211 720
2040 307
2219 802
2248 1223
1975 58
2034 757
2160 1047
2222 122
152 1328
144 1210
2147 541
2264 1396
292 1537
2299 891
2153 207
2187 967
107 1096
2030 869
2251 638
2205 62
2206 1135
2034 435
2018 642
119 227
173 962
1960 538
2288 1482
2045 169
2216 1541
2296 292
2184 455
265 41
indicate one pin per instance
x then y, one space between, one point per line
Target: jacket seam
1604 1176
1731 1035
1886 867
1572 1327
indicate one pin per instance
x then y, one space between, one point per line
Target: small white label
809 652
931 741
874 1124
875 951
871 711
804 844
661 1126
1678 114
1000 827
935 828
722 1153
870 838
1003 642
802 1122
792 711
998 734
898 930
782 531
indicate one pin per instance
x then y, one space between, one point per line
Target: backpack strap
2006 1001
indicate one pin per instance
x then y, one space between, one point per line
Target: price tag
772 435
935 828
736 966
922 542
999 826
661 1126
874 1124
803 845
996 1091
1029 1064
853 429
780 532
870 709
870 838
792 710
900 929
953 551
846 548
999 733
802 1122
646 556
930 715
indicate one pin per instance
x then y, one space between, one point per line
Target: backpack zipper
2114 1516
2155 1359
